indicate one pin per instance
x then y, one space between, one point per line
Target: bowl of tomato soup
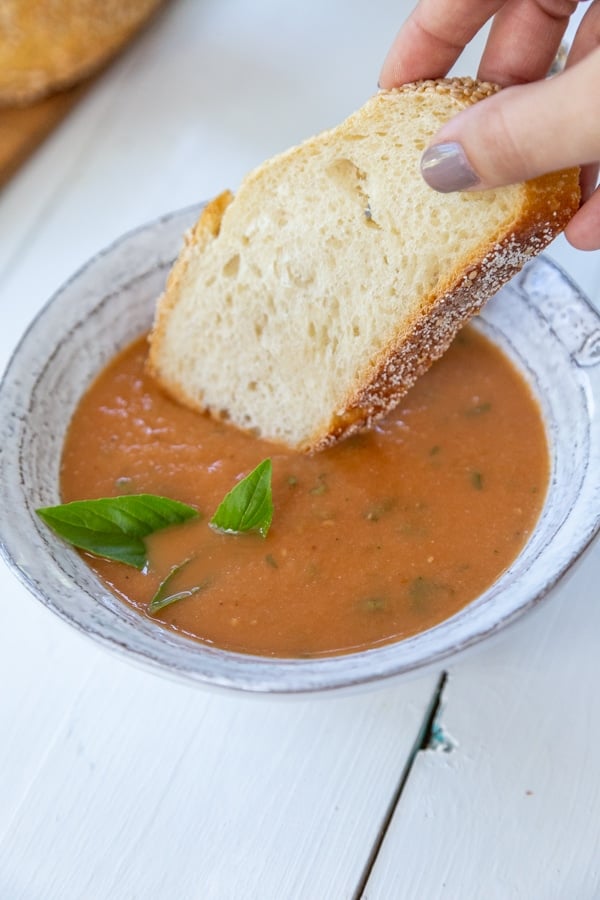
382 555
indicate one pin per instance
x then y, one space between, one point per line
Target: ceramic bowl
540 320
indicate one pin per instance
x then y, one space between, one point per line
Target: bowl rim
246 672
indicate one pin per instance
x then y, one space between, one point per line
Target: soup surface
380 537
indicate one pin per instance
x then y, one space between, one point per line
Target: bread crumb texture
304 307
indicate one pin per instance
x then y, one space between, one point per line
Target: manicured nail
445 168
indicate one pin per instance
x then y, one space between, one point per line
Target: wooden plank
43 668
512 809
22 129
160 790
50 176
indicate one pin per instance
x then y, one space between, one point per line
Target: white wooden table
116 783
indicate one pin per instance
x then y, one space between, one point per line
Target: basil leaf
249 505
162 597
156 605
114 527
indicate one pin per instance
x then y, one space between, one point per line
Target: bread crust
546 205
45 47
551 201
196 238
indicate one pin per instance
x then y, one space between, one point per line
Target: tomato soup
385 535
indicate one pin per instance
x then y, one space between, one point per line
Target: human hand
536 125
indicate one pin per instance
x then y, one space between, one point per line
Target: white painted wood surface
513 809
117 783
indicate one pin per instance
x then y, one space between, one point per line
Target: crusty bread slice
306 306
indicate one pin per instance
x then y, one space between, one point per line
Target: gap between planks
426 739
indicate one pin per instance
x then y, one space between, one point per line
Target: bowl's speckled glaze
540 320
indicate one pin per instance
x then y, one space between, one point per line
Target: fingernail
445 168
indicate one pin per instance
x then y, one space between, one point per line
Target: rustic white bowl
540 320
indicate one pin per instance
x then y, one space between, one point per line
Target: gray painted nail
445 168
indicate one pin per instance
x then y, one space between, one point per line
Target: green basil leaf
114 527
162 596
249 505
156 605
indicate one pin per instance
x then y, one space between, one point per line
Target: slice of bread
306 306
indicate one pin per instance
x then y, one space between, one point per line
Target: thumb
520 133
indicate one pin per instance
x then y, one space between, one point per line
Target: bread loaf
303 308
47 45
